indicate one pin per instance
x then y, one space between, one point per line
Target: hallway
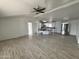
40 47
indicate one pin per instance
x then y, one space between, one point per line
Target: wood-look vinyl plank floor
40 47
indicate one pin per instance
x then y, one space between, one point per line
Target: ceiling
25 7
56 9
69 11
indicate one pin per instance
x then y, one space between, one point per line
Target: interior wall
12 27
73 27
58 27
77 27
35 29
77 32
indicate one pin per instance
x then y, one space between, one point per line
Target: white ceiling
25 7
54 10
69 11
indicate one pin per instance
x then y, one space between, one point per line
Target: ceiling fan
39 10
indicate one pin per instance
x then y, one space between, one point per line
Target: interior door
66 29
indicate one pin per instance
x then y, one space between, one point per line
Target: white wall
73 26
77 27
17 26
74 30
58 27
12 27
35 27
77 31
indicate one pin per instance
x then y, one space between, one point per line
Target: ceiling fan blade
37 13
34 8
43 9
41 12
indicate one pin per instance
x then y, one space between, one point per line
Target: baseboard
66 35
14 38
